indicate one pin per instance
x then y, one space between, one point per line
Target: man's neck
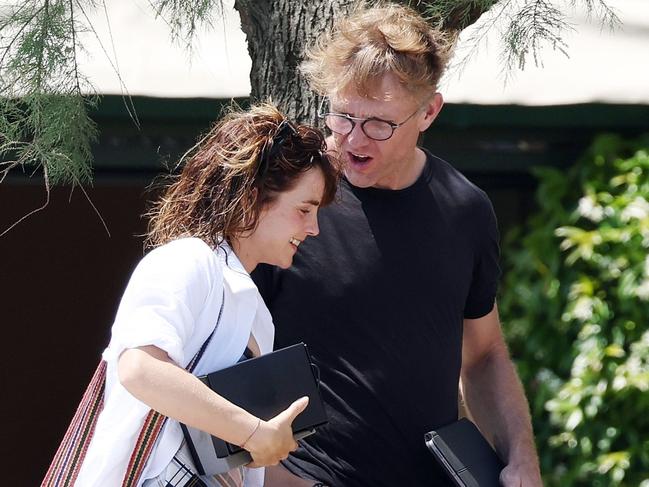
407 174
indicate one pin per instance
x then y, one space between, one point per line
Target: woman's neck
242 249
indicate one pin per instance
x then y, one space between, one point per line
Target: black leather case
465 455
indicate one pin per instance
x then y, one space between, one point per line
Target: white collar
239 283
249 301
229 258
233 270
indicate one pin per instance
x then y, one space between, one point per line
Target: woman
249 193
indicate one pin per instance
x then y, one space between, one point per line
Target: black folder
465 455
264 386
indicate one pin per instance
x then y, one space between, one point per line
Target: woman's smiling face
287 221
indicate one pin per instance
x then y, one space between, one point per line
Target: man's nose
357 137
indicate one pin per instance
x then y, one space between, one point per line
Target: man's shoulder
446 180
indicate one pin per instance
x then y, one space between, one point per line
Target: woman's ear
250 202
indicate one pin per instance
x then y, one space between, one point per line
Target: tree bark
278 32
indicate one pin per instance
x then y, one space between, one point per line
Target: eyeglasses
373 128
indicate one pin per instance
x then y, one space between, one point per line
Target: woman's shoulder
185 247
184 250
184 259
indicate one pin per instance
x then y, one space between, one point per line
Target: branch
128 101
36 210
74 50
19 33
607 15
478 36
466 14
537 23
454 15
184 17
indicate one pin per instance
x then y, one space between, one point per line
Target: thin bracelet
243 445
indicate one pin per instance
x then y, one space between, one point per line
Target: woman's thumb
291 412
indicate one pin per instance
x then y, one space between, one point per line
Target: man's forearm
495 399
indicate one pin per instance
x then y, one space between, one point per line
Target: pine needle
43 112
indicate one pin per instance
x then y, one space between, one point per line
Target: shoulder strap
69 456
192 364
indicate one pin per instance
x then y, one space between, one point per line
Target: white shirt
172 301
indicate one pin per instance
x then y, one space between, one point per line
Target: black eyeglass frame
363 121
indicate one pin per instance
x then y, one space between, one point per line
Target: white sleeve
253 477
165 296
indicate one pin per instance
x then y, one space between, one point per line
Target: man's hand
521 475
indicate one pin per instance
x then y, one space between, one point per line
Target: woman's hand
149 374
272 440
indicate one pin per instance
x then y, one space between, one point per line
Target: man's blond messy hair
373 42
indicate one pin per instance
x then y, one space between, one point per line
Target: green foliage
575 308
43 115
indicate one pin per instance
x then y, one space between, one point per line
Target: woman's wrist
252 433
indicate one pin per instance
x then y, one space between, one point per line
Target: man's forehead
352 96
385 92
381 90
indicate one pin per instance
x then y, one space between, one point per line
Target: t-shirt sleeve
486 270
165 296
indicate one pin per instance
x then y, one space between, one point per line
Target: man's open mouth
358 158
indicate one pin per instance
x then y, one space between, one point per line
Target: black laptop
263 386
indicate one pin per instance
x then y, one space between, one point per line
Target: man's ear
432 109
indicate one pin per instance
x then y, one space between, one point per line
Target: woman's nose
313 228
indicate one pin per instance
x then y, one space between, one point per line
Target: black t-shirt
379 298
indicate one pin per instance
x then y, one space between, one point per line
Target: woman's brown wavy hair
242 164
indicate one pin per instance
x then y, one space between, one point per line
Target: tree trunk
277 32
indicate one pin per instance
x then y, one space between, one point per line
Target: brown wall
61 276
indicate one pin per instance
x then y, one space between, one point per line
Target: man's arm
495 398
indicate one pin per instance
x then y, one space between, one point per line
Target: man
396 298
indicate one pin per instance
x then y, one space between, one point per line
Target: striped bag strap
69 456
65 466
155 421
